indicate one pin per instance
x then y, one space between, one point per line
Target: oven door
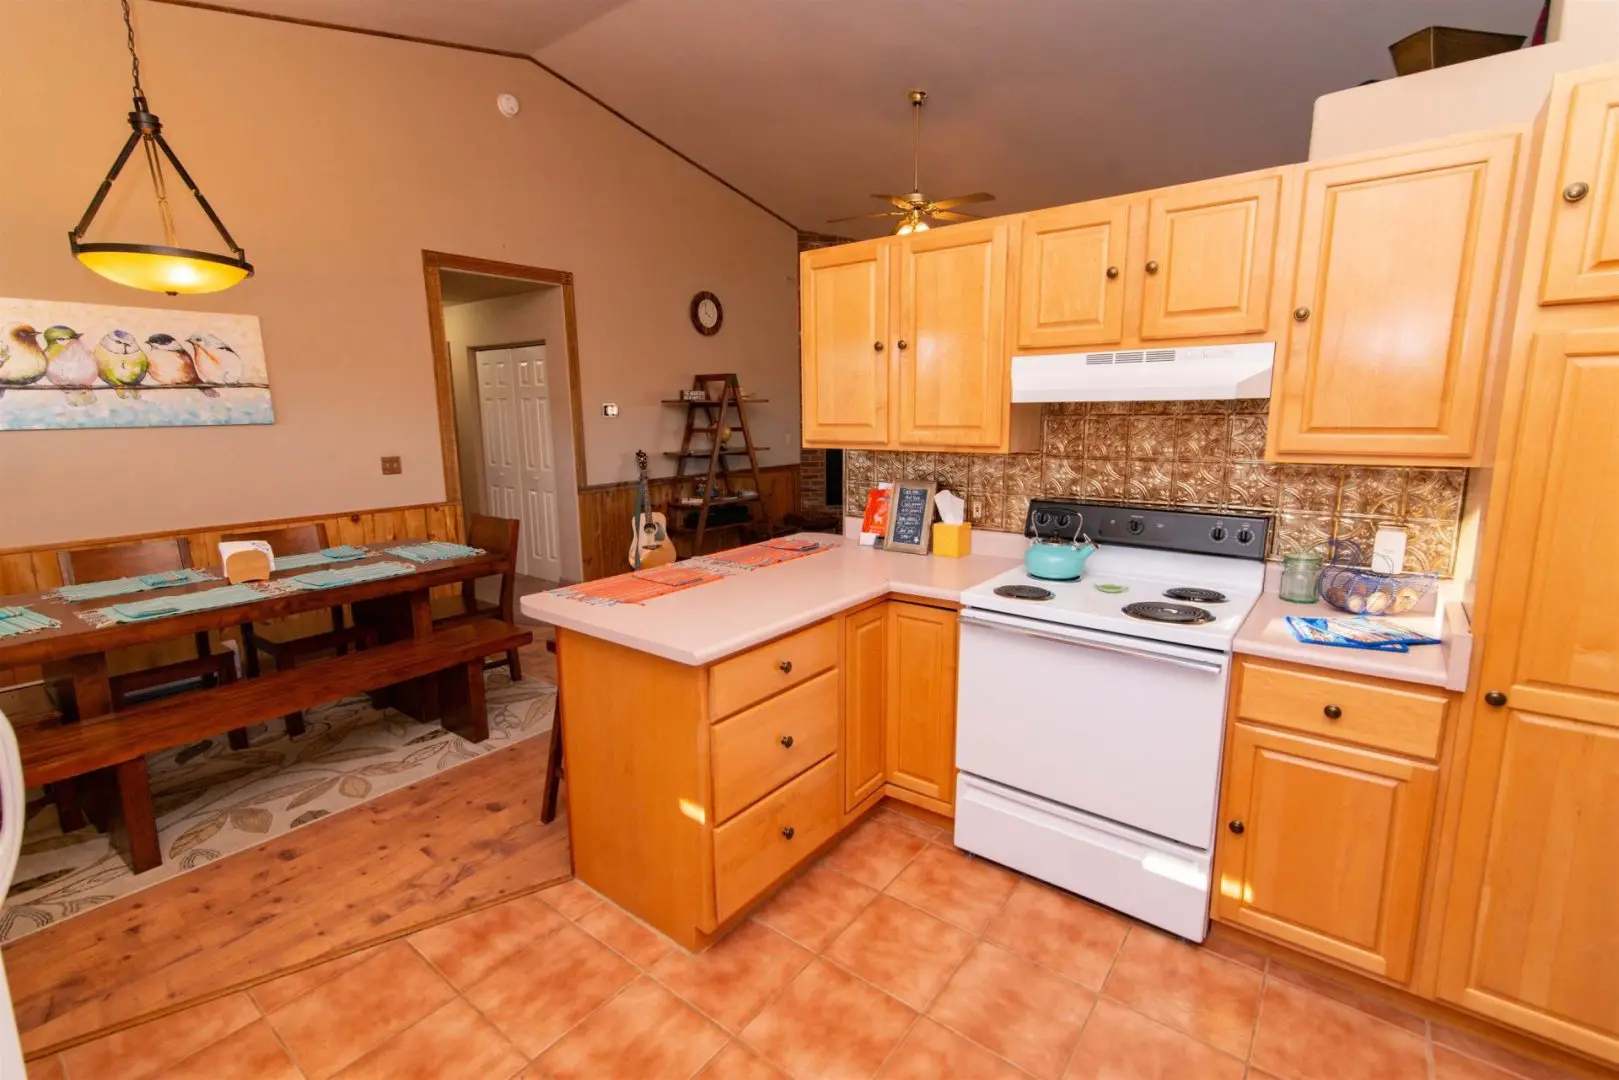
1123 728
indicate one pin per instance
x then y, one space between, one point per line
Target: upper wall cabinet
1582 257
1210 250
1071 268
949 373
1394 295
844 296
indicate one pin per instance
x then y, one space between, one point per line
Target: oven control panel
1200 532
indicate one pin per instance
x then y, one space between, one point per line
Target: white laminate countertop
705 623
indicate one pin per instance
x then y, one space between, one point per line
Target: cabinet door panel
1328 849
1582 260
1065 296
844 295
865 680
1396 278
950 376
921 721
1213 246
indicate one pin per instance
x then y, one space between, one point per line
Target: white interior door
520 478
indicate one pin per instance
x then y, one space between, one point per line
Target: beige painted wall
336 158
535 316
1490 93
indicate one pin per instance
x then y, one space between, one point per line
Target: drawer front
743 680
758 750
771 837
1406 721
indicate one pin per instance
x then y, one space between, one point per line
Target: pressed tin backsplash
1193 454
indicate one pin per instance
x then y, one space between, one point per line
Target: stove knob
1217 533
1041 517
1136 527
1245 535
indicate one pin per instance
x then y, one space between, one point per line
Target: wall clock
706 313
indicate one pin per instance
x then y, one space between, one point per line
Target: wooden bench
121 740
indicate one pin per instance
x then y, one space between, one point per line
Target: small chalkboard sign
910 517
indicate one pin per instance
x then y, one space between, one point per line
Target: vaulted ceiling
802 103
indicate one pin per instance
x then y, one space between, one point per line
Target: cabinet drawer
771 837
1385 717
758 750
736 683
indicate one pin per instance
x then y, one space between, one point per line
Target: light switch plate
391 466
609 409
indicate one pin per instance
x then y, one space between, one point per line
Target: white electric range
1090 713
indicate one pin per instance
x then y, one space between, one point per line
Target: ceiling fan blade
858 217
954 215
962 200
900 201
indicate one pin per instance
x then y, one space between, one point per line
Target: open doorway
507 341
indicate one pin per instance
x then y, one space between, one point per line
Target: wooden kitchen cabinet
1072 273
1582 256
1211 248
1393 297
949 375
844 297
920 723
1323 845
865 702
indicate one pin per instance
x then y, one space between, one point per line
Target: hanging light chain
134 60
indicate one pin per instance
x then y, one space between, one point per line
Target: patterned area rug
212 801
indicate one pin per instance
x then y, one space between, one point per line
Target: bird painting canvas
71 365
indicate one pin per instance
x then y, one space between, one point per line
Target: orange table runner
639 586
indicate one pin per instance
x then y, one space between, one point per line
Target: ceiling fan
915 210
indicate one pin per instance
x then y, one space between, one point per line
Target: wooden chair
553 758
280 640
499 536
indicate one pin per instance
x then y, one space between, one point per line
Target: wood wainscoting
606 510
36 569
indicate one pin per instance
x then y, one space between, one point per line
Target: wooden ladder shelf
720 392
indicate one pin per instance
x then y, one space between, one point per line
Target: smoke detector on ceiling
507 104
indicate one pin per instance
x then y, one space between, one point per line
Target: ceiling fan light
921 226
905 228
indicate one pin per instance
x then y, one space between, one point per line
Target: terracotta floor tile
280 991
1366 1003
571 898
1060 932
1450 1065
814 909
148 1049
1120 1044
1304 1036
733 978
1498 1056
454 1043
1019 1010
466 949
874 853
45 1069
1202 994
541 991
900 819
955 887
250 1053
624 934
1222 946
904 951
931 1052
827 1023
738 1062
644 1032
346 1017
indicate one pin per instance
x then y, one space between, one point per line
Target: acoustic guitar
649 531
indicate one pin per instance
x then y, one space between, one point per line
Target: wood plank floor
464 839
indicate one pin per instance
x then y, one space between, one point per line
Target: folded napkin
352 575
96 590
324 557
21 620
344 552
434 551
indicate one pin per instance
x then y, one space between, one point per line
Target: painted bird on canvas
121 362
70 364
21 359
172 364
217 362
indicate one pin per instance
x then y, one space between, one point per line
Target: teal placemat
21 620
351 575
97 590
434 551
162 607
324 557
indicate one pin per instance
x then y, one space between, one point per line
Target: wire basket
1346 585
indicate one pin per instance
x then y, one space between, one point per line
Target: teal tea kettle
1057 560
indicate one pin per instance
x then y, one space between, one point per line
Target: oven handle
1086 643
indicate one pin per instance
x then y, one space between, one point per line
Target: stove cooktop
1157 611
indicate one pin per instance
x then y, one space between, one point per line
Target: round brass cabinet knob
787 741
786 667
1495 698
1152 267
903 344
787 833
877 345
1300 314
1112 272
1576 191
1333 712
1237 827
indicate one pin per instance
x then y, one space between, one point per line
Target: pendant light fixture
167 268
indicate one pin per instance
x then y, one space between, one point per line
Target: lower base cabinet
920 724
865 695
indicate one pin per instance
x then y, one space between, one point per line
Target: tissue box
952 541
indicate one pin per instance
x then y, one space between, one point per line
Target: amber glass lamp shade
163 269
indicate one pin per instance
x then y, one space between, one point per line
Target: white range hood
1189 373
